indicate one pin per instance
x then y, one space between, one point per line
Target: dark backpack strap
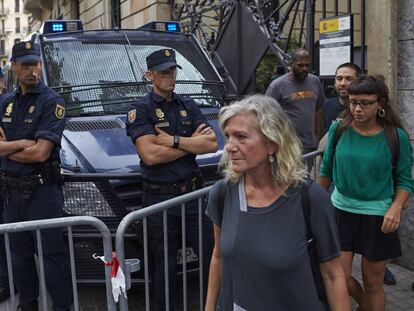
222 196
393 143
306 208
339 130
314 261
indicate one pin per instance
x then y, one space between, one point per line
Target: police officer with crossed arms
32 120
168 131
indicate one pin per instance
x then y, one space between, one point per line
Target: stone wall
138 13
405 88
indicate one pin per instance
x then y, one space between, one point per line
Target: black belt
24 181
175 188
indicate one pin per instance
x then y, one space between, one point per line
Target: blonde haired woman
260 259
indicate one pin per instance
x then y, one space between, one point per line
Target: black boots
28 306
4 288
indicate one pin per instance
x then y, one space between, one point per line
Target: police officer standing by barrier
4 281
168 131
32 122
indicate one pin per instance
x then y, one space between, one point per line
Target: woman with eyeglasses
369 192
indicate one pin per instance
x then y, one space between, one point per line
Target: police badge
159 113
9 110
132 115
59 111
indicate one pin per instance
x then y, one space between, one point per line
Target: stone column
381 27
405 87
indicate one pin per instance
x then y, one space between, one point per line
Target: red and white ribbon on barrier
117 276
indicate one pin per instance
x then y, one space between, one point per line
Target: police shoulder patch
132 115
60 111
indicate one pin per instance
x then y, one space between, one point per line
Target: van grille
93 126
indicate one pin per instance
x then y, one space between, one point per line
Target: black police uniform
33 190
181 116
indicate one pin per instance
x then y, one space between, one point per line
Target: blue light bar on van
57 27
61 26
162 26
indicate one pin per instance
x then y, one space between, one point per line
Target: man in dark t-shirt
344 75
301 96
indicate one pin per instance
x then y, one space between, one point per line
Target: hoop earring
381 112
271 158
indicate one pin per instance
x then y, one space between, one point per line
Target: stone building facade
14 27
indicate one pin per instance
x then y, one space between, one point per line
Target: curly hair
274 124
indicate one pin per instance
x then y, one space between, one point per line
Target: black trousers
3 262
45 202
156 242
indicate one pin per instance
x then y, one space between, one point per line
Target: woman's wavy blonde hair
274 124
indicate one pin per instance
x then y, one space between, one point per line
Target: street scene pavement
399 297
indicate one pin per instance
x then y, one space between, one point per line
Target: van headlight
85 199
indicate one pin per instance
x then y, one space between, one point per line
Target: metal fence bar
200 256
10 272
184 256
61 222
73 269
42 269
142 214
146 274
166 270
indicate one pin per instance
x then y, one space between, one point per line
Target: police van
99 73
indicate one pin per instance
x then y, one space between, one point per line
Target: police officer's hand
203 129
163 138
2 135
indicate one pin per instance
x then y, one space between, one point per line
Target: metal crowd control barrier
142 214
313 156
68 222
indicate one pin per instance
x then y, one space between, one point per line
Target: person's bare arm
334 280
318 122
392 217
38 153
203 142
214 277
324 181
9 147
153 153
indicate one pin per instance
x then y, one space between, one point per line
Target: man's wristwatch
176 141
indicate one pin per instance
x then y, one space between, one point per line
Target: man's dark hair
356 68
299 53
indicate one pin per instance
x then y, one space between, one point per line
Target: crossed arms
25 150
157 149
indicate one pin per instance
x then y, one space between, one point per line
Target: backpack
316 272
393 142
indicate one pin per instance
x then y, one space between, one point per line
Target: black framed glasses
364 104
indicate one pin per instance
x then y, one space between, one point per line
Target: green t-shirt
362 171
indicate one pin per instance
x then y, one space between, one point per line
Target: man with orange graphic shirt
301 95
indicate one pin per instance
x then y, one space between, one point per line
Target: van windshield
102 72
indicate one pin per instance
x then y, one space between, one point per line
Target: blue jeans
45 202
156 240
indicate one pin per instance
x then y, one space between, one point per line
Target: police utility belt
176 188
49 173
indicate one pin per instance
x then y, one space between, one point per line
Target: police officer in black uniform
168 131
31 125
4 281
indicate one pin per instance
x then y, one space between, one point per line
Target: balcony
3 33
4 12
3 53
